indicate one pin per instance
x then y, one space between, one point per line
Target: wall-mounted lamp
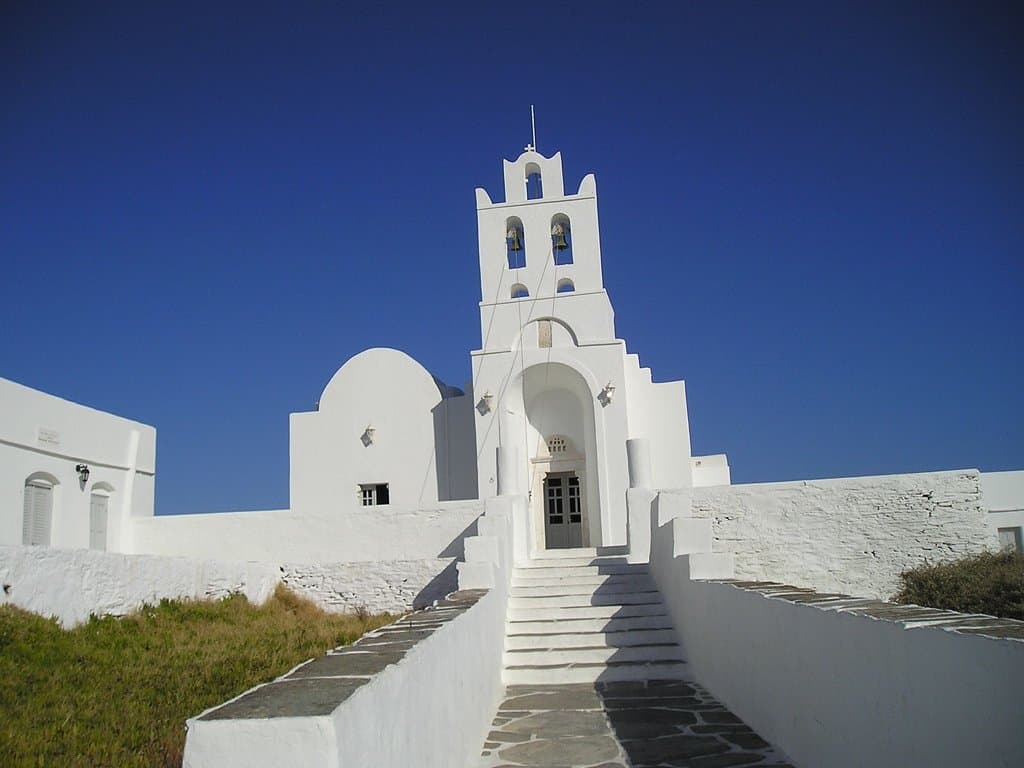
486 404
367 436
83 472
606 394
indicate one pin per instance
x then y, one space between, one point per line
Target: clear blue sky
810 212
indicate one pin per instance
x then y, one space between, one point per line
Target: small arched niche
534 183
519 291
515 243
565 285
561 238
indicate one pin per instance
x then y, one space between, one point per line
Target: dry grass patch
116 692
990 583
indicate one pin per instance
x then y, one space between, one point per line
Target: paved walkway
619 724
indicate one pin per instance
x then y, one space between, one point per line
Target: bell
512 236
558 233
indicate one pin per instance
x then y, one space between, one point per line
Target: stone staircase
576 617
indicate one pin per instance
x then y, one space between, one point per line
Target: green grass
990 583
116 692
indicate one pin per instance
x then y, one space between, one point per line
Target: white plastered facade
550 365
549 371
43 439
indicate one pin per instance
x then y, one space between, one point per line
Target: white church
560 411
561 498
394 465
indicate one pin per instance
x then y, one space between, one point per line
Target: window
519 291
1010 538
565 285
515 243
561 239
374 495
38 510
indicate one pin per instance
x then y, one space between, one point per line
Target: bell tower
540 256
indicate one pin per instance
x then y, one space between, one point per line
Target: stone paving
320 686
653 724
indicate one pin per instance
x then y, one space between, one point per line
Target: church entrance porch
563 511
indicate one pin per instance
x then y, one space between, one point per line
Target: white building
70 476
395 467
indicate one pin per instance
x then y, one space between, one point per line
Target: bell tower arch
548 245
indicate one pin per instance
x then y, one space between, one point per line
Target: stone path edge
318 686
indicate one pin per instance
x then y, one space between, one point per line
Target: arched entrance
561 451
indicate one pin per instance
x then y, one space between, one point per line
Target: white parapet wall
846 682
851 535
72 584
430 706
361 535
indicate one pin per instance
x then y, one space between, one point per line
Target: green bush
991 583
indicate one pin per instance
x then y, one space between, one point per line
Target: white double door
563 511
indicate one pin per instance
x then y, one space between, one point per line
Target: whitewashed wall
419 430
432 709
1002 495
44 435
385 586
844 690
363 534
850 535
72 584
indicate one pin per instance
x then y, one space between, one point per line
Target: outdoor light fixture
83 472
367 436
607 394
486 404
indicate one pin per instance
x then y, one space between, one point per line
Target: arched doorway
561 457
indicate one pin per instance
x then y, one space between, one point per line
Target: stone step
559 571
622 639
548 656
634 584
571 562
558 626
584 580
586 612
532 602
567 554
560 674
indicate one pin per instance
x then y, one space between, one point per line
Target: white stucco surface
842 690
431 710
850 535
380 586
1002 495
45 437
317 536
552 364
422 437
72 584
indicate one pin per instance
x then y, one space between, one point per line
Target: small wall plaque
49 437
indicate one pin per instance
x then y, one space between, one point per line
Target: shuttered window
38 509
98 521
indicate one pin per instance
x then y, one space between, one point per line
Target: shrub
990 583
